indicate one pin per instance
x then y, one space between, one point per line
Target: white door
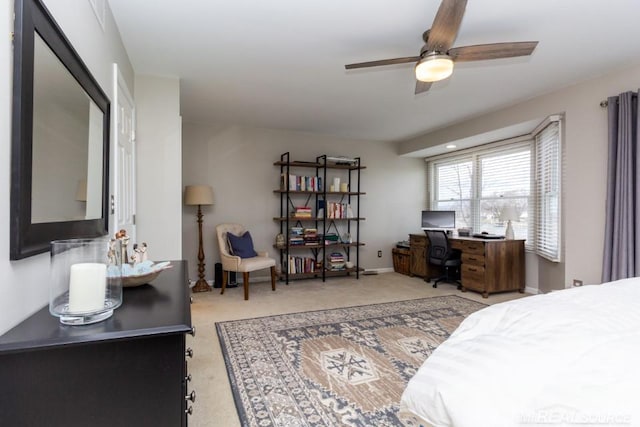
123 204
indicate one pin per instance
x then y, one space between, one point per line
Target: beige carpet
214 405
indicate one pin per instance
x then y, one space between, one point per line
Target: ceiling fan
436 58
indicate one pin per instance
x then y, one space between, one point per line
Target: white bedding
564 358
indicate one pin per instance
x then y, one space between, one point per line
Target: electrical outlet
379 254
577 282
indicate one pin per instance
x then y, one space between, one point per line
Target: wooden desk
488 265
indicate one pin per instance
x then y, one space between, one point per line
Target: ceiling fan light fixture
434 67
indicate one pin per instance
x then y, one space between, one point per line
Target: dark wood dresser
129 370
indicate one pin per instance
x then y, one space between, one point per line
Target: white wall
23 288
159 175
585 143
238 164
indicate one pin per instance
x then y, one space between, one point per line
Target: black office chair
442 255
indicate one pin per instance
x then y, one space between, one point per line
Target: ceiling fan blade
481 52
446 24
404 60
422 86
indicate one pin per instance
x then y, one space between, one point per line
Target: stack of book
310 236
302 212
296 236
331 239
335 261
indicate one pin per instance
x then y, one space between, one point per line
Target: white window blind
547 191
479 185
505 181
453 189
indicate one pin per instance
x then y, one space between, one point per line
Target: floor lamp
199 195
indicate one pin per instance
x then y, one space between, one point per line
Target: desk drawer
473 284
472 259
472 273
473 247
473 278
418 241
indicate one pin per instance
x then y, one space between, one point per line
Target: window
454 190
479 186
520 177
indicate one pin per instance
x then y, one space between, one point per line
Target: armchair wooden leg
224 281
273 278
245 279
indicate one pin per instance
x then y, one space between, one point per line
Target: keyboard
487 236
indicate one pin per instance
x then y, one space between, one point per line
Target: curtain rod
605 103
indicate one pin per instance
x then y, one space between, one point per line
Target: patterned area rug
340 367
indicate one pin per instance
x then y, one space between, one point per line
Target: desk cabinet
488 266
129 370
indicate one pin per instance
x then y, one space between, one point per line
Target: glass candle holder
86 280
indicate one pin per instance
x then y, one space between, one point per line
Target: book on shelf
310 236
335 261
297 264
331 239
339 210
301 212
300 183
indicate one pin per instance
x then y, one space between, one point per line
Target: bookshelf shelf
337 245
338 193
295 218
318 274
307 195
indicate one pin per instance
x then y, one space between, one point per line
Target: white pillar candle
336 184
87 286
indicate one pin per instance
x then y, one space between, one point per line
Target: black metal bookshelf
349 224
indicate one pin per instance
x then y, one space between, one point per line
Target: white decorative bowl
132 280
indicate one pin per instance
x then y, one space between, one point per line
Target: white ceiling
280 63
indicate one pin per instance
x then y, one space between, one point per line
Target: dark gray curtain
622 230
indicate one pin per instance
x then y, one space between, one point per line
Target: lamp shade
198 195
434 67
509 213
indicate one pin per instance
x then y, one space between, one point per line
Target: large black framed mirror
60 138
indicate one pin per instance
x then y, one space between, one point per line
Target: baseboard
368 271
530 290
192 283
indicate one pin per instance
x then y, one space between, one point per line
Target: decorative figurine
122 236
143 252
112 257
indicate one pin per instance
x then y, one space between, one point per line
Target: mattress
570 357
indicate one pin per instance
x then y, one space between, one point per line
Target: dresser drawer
471 247
472 259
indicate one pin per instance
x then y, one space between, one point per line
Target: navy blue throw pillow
241 246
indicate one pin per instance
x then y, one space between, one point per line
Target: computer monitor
438 220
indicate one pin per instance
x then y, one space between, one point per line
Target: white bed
565 358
